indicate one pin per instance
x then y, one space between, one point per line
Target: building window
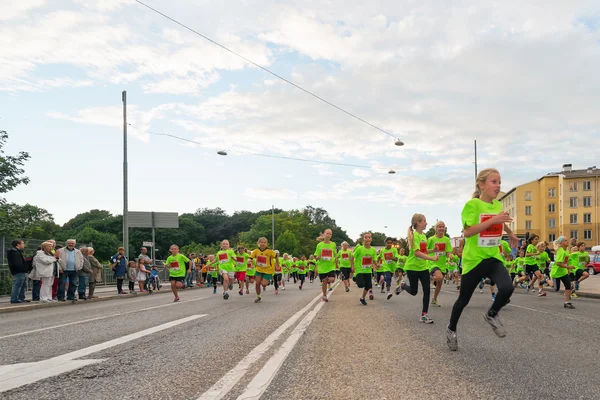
512 198
527 210
587 201
575 235
528 196
573 203
551 193
551 207
587 185
587 218
573 219
528 224
573 186
552 223
552 237
587 234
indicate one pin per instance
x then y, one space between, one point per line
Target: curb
36 306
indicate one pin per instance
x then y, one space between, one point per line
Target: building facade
564 203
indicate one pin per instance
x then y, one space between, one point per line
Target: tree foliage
11 171
288 243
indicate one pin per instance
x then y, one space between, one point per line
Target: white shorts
230 274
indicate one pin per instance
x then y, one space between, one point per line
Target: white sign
148 244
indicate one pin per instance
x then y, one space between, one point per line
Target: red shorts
240 276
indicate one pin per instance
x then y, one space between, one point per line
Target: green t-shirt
385 259
295 266
531 260
441 247
213 270
302 267
177 265
241 262
364 260
226 260
573 261
504 247
485 244
542 259
519 262
583 260
452 262
558 271
413 263
287 266
508 265
344 258
251 268
401 262
327 253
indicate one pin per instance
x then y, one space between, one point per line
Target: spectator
84 274
142 274
70 262
43 268
18 270
36 283
96 269
132 276
119 266
144 255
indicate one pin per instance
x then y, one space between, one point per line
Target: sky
520 77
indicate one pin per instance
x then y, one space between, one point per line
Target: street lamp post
125 182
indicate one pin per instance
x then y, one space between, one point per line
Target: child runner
580 274
265 260
176 263
400 269
560 269
388 257
278 276
213 273
294 270
573 262
416 266
302 269
483 222
440 246
226 261
250 272
241 267
345 262
364 260
311 267
325 254
542 260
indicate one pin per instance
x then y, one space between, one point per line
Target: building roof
576 173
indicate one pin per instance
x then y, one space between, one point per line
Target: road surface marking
13 376
98 318
265 376
231 378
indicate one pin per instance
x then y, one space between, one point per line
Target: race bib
423 247
440 249
345 256
211 268
301 267
174 265
278 268
367 262
326 254
223 258
491 236
388 257
239 260
261 261
250 266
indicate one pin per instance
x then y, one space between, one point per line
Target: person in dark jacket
119 262
18 270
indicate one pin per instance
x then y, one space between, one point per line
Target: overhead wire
266 69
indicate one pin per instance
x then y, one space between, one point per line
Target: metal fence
31 246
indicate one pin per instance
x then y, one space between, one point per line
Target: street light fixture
399 142
222 152
391 172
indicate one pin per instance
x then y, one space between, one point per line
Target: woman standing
119 267
43 263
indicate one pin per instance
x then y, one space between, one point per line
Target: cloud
270 193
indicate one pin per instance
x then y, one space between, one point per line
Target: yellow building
564 203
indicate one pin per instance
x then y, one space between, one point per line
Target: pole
475 160
153 253
273 225
125 183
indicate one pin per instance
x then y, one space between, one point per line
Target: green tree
378 238
26 222
403 243
105 244
287 242
11 173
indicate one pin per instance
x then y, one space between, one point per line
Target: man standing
144 255
18 270
96 268
71 261
84 274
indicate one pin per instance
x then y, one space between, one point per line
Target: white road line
98 318
263 379
231 378
16 375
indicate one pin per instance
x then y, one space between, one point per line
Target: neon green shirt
485 244
251 268
542 259
584 257
241 262
385 259
413 263
344 258
302 267
558 271
364 260
531 260
504 247
177 265
327 253
226 260
441 247
401 262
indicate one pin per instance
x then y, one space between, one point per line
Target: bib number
326 254
261 261
367 262
491 236
388 257
223 258
174 265
440 249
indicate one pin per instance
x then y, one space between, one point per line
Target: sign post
153 220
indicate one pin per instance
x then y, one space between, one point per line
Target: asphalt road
292 346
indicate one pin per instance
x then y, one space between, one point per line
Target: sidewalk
103 292
589 288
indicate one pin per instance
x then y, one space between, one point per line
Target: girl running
416 266
560 269
388 257
580 274
241 267
213 273
345 261
265 260
365 258
326 254
302 269
176 264
483 221
250 272
226 258
440 246
400 269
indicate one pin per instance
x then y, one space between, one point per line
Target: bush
6 285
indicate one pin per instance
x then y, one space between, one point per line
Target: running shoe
527 288
247 292
330 289
389 296
257 300
276 291
481 285
382 290
542 294
230 286
435 303
176 299
300 287
371 297
451 339
215 291
324 299
425 319
400 288
569 305
493 296
347 289
241 292
225 296
576 285
283 288
496 324
363 301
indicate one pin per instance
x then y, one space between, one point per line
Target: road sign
148 244
151 219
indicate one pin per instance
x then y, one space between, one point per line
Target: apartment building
559 203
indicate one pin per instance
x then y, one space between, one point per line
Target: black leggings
277 280
131 285
295 276
301 278
488 268
565 280
119 285
413 286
